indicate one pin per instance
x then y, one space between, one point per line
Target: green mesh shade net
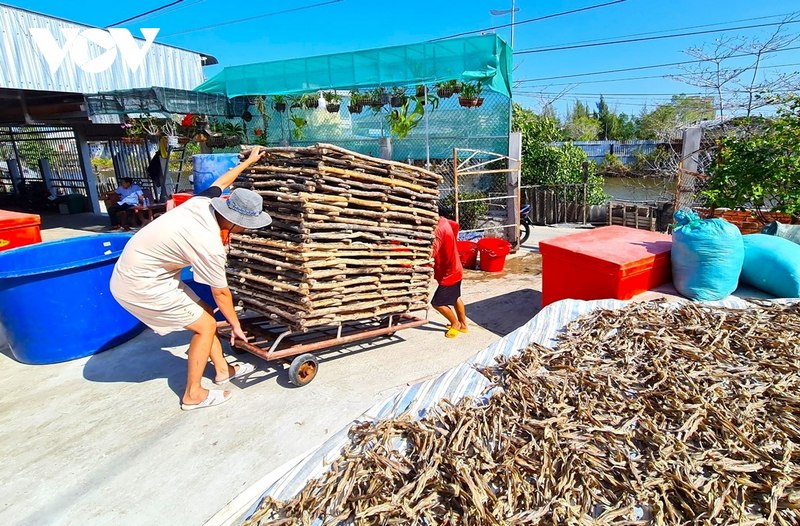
486 58
162 101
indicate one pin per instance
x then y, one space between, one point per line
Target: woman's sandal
243 370
215 397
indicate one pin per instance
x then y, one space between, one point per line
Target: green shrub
469 213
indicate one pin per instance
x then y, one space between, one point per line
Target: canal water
633 189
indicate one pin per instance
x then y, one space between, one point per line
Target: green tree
628 127
35 147
666 119
610 124
762 168
580 124
546 164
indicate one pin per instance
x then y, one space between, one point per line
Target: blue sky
345 25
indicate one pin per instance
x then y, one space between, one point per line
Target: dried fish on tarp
654 413
345 227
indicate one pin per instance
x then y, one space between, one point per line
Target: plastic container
468 253
493 253
18 230
55 302
180 198
609 262
207 167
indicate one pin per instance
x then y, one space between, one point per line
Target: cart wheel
303 369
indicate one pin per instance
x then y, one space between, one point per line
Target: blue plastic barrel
55 302
202 290
207 167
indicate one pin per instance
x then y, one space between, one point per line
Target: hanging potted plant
377 98
333 101
233 133
420 90
470 95
310 100
134 131
446 89
170 129
398 97
151 127
216 139
356 102
279 103
294 101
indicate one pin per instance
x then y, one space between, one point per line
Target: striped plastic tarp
454 384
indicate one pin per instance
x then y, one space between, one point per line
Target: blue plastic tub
202 290
55 302
207 167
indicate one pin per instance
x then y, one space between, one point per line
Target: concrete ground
102 440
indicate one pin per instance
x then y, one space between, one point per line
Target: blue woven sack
772 264
707 256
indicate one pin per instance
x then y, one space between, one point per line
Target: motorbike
525 223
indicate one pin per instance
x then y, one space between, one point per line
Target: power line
171 11
643 39
643 77
537 19
256 17
784 15
176 2
653 66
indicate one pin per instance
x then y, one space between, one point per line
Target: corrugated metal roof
25 67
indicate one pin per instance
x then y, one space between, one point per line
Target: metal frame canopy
486 58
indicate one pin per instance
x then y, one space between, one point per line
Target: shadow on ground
503 314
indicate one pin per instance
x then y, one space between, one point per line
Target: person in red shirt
448 272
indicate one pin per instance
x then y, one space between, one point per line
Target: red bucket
181 198
493 253
468 253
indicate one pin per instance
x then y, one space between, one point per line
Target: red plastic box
609 262
18 230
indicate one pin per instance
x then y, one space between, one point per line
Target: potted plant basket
470 95
294 101
356 102
398 97
420 90
333 101
445 90
216 140
377 98
279 103
310 100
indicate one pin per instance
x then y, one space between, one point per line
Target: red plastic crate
609 262
18 230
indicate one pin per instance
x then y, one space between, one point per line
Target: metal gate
481 192
39 162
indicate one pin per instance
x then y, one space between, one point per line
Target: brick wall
747 221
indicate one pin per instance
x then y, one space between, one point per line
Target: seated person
126 196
